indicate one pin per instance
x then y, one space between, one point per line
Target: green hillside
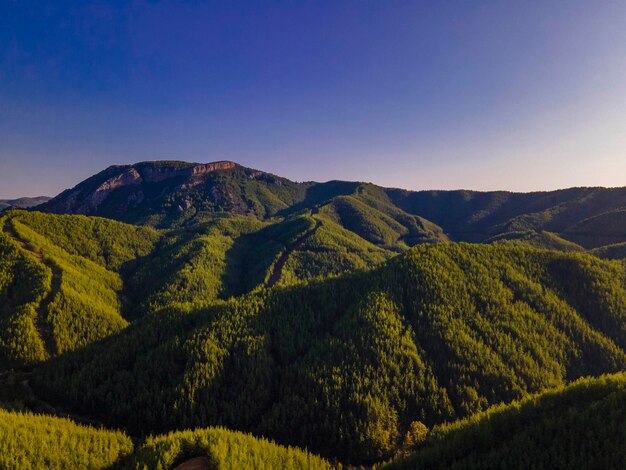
23 285
343 366
170 194
59 294
39 441
96 273
616 251
339 317
370 214
475 216
545 240
579 426
223 449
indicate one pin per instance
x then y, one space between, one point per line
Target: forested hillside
59 293
475 216
339 317
579 426
38 441
344 366
167 194
70 279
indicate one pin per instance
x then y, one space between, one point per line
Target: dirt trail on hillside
41 322
277 270
197 463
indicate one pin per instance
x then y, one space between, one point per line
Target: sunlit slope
39 441
224 256
23 285
369 213
545 240
222 449
232 255
343 366
60 294
106 242
579 426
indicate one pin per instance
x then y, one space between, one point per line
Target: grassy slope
342 366
579 426
370 214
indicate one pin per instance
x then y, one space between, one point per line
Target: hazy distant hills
22 202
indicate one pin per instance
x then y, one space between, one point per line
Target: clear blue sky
517 95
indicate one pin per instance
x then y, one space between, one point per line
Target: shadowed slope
579 426
343 366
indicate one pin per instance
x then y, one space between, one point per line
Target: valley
241 316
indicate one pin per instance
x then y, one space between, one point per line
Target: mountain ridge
172 193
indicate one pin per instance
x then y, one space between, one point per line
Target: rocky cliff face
137 192
85 199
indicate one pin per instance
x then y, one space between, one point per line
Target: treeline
39 441
29 441
579 426
224 449
344 366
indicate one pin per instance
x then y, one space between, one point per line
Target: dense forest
438 333
196 303
36 441
579 426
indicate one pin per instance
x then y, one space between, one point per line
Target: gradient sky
517 95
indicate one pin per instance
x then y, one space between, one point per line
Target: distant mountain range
22 202
172 193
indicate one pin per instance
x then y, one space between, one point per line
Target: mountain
477 216
170 193
340 317
578 426
22 202
343 366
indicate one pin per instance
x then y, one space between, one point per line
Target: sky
514 95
